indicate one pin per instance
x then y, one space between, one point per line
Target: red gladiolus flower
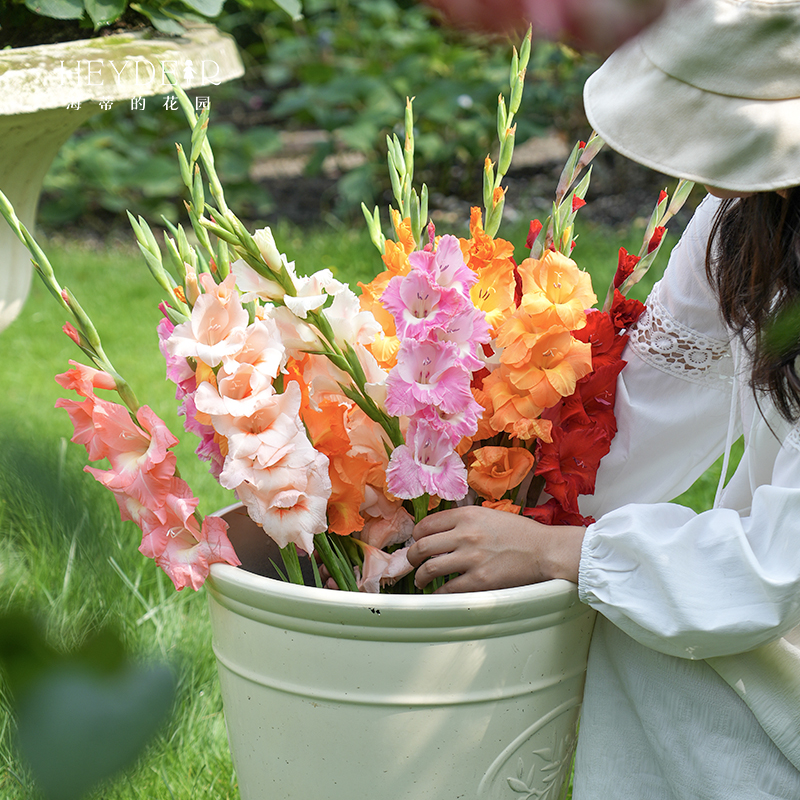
551 513
655 239
577 202
533 232
625 311
600 332
625 265
569 463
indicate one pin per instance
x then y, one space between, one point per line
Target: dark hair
753 263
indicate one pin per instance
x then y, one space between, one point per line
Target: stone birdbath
48 91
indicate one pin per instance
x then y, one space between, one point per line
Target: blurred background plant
339 74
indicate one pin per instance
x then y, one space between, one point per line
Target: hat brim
732 143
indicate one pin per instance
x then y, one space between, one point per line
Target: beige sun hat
709 92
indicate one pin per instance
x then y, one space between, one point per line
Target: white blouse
693 688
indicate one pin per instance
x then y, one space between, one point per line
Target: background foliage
345 70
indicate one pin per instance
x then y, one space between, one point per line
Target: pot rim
236 586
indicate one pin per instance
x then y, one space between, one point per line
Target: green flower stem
291 561
340 569
506 133
89 338
420 505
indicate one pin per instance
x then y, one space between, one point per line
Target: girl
693 686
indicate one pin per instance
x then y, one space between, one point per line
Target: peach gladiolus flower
495 470
189 550
555 291
382 568
290 503
217 325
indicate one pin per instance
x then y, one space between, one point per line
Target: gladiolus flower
555 291
502 505
382 568
495 470
426 464
625 311
291 503
217 325
84 380
625 266
655 239
189 551
427 374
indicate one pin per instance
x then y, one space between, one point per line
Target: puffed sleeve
674 395
690 585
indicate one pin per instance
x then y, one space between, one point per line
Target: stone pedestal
47 92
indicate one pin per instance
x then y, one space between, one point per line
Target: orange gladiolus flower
402 229
502 505
547 363
492 261
555 291
386 344
347 471
495 470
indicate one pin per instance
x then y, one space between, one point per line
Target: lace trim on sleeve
672 347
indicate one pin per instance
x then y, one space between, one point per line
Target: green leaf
103 12
161 22
58 9
208 8
294 8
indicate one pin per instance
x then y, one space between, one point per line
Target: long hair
753 263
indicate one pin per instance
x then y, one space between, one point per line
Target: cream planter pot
339 696
46 92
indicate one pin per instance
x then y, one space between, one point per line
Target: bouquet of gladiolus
457 376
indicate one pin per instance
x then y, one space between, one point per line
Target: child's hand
491 549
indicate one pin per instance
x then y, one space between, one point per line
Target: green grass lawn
63 550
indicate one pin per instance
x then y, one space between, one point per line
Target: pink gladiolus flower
419 306
426 464
80 415
84 380
454 426
188 552
446 266
467 329
427 373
